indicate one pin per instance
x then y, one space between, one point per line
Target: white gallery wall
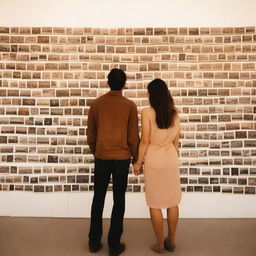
124 13
127 13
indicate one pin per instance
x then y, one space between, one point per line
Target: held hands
137 168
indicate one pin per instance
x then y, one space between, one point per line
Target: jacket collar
115 93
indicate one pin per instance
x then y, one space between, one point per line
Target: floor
68 237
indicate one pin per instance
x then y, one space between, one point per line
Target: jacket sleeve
133 132
92 129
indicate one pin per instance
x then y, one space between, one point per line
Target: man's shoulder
129 102
96 100
123 99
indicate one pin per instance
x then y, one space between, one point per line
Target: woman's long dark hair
162 102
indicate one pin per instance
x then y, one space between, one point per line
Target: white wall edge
78 205
127 13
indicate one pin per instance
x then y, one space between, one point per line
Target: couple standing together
113 138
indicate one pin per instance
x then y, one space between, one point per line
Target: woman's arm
177 137
144 142
176 141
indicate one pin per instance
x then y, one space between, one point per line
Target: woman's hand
137 168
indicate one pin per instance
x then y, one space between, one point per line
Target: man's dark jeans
102 172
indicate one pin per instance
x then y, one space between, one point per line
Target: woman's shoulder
176 116
148 113
147 110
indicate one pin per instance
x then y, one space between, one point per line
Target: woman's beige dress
162 178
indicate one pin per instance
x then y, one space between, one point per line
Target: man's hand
137 170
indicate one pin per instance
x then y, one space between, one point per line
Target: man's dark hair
116 79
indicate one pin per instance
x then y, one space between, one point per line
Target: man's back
113 137
113 127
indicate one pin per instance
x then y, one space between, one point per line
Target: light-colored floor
68 237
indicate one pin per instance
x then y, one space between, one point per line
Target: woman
159 145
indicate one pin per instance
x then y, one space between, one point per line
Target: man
113 138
